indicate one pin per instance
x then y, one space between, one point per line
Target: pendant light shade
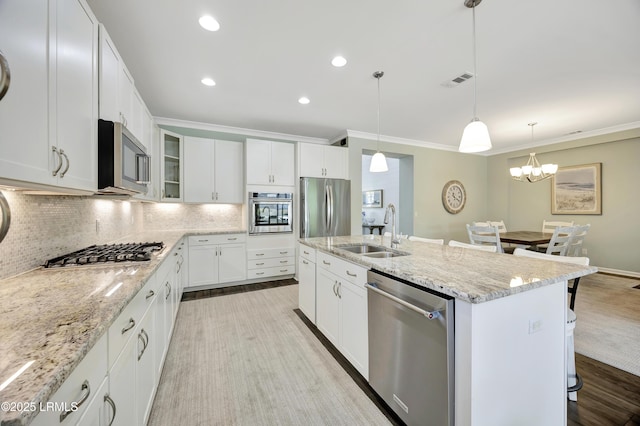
378 161
475 137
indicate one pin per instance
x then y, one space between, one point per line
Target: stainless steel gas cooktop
106 253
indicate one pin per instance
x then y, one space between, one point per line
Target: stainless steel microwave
123 164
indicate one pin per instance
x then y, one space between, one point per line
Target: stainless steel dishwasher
411 350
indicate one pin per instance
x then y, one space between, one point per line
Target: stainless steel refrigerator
325 207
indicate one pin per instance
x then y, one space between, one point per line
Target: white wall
389 182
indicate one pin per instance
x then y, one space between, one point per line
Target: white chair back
454 243
564 259
559 243
500 224
550 226
576 240
426 240
484 235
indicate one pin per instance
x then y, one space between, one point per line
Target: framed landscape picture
577 190
372 198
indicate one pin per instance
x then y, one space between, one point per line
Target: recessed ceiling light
304 100
208 81
338 61
209 23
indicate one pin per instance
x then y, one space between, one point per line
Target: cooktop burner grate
106 253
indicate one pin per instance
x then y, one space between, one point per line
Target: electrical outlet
535 326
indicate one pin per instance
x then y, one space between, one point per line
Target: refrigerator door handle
331 210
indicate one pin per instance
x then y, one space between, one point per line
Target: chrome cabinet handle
305 262
335 283
5 212
259 254
66 169
140 337
326 263
168 287
86 391
132 323
232 239
339 294
145 342
284 270
284 261
55 149
284 252
150 294
429 314
109 401
5 75
259 273
260 264
351 275
305 252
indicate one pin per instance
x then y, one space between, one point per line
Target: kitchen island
510 316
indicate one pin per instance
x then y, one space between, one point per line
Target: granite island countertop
469 275
54 316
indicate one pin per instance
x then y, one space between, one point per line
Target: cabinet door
354 342
145 367
307 288
98 412
122 384
171 161
311 163
137 112
198 170
282 163
258 162
76 93
229 172
203 265
327 305
335 162
232 263
125 95
108 77
159 330
24 111
168 308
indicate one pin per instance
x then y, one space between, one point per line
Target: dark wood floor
609 396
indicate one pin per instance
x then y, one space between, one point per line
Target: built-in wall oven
270 213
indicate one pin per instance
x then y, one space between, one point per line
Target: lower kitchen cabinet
216 259
307 282
270 262
341 308
100 411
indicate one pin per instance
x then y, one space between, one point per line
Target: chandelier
533 171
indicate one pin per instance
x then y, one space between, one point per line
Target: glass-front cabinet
171 163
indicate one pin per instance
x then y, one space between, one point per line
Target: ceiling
570 65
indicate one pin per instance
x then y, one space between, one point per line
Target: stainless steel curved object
5 214
5 75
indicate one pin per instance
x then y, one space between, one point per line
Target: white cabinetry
213 171
341 308
171 159
323 161
270 163
78 389
307 282
49 115
217 259
270 262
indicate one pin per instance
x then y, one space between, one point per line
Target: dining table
526 238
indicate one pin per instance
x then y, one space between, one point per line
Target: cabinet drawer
199 240
308 253
123 327
345 270
81 385
270 263
270 253
271 272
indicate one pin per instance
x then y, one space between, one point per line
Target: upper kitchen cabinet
151 138
171 164
119 99
213 171
270 163
49 115
323 161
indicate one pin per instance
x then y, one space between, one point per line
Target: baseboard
619 272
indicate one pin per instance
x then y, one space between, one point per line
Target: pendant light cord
475 66
378 113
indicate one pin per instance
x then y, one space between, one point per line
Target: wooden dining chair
574 381
454 243
484 235
426 240
576 240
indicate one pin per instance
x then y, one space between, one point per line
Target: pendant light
378 161
475 137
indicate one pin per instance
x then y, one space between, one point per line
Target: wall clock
454 196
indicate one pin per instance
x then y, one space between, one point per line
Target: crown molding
237 130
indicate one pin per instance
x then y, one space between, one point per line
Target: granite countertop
469 275
54 316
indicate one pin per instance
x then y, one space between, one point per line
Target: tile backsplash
43 227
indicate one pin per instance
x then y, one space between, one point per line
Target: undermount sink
384 254
363 248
